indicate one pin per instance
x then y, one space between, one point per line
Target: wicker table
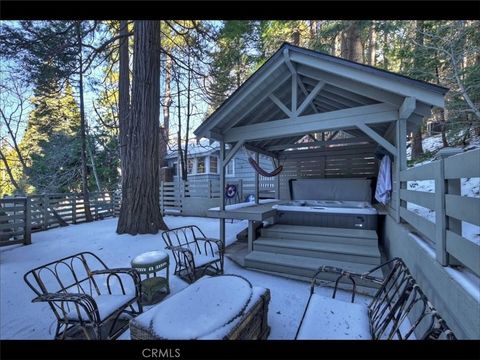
192 313
154 288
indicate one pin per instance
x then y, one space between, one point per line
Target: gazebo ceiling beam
295 77
310 97
379 139
233 151
333 103
333 120
364 78
340 100
281 105
318 143
261 151
352 86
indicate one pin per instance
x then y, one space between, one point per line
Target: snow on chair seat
88 299
328 318
398 311
219 307
195 255
107 304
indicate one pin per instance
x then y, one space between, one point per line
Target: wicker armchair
195 255
89 300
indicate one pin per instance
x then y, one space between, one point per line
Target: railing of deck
15 221
450 207
19 216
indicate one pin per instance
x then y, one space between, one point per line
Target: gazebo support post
257 180
222 192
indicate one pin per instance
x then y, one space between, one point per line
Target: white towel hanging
384 181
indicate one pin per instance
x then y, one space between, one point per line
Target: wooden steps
300 250
362 254
316 233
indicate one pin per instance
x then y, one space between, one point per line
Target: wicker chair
89 300
192 260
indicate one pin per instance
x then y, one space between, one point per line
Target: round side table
153 285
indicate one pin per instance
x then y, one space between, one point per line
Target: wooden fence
19 216
451 208
15 221
172 194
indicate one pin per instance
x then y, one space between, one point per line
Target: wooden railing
15 221
451 208
19 216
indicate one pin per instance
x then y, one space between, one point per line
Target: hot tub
328 213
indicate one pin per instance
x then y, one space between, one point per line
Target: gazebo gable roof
328 82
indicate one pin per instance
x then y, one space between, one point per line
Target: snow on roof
203 146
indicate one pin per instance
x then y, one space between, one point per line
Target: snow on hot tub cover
201 308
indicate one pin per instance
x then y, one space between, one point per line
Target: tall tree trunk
187 123
385 49
354 44
83 131
441 115
94 167
417 148
164 133
182 161
372 45
123 93
140 209
296 37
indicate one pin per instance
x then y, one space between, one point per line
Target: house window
189 166
230 170
201 165
174 169
213 165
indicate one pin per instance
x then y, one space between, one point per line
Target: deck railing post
440 220
162 208
27 236
74 208
45 204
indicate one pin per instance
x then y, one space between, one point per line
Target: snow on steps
335 251
302 267
301 250
316 233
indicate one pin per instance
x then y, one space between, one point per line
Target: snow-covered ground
21 319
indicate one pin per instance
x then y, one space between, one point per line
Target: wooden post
27 236
257 179
96 196
453 187
251 235
440 217
162 207
400 163
240 189
74 208
45 204
222 193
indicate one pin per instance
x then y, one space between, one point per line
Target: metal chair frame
397 298
184 242
78 295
